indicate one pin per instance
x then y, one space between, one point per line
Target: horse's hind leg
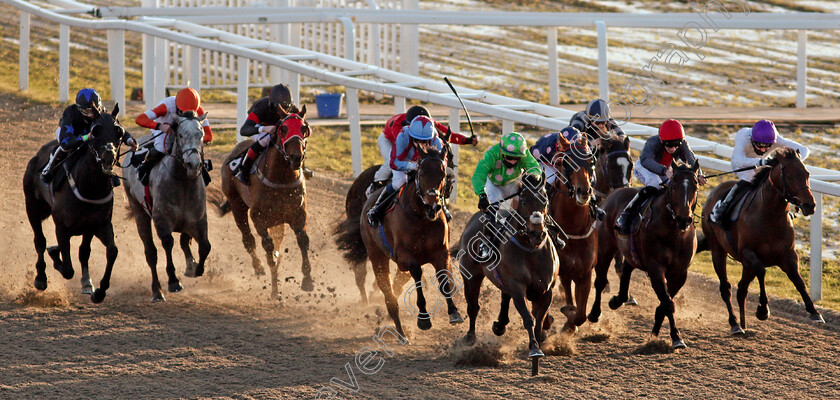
268 243
582 288
760 270
84 257
568 309
240 216
539 308
602 266
623 287
791 267
381 271
528 323
360 273
64 263
303 243
619 269
472 289
500 325
203 246
106 236
35 221
164 232
719 262
185 241
447 287
144 229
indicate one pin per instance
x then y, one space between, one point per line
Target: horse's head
614 162
793 178
681 195
292 132
533 206
576 172
189 142
430 180
107 135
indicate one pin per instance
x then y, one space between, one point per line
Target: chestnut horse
414 233
569 206
80 201
748 241
523 267
663 246
275 197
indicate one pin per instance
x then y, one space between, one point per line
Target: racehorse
413 234
613 170
569 206
175 201
661 244
80 200
276 195
524 266
747 239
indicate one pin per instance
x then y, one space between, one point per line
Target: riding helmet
280 95
88 98
422 128
764 131
598 111
671 129
187 99
571 133
513 145
414 112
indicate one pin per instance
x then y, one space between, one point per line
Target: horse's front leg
534 351
106 236
61 255
424 320
84 257
666 304
500 325
447 287
240 216
751 261
303 243
203 246
675 279
623 287
619 268
539 308
791 267
40 246
185 241
164 232
268 246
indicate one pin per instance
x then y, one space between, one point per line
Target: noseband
281 147
669 206
429 209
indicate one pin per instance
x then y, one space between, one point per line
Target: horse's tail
702 243
216 198
130 214
349 240
455 248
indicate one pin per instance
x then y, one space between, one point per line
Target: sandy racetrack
222 337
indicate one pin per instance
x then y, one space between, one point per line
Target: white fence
355 75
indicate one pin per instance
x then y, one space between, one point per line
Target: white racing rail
359 76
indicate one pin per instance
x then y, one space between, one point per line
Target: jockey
596 122
752 148
548 150
160 120
655 166
393 127
263 117
74 129
404 157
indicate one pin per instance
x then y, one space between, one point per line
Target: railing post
242 80
507 126
116 66
159 89
195 68
23 53
603 68
553 85
455 127
355 130
399 105
149 63
64 64
816 248
410 35
801 69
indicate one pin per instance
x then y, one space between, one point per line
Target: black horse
80 200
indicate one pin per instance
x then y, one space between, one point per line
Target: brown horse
276 195
413 234
569 206
524 266
747 240
613 170
663 246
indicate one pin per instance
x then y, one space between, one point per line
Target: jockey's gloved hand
483 203
770 160
412 166
133 143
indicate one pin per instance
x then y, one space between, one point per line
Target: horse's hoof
189 272
157 296
468 339
40 284
678 344
455 318
567 309
199 270
424 324
535 352
175 287
631 302
498 328
87 289
259 271
736 330
547 322
97 296
817 318
594 316
762 312
307 285
615 303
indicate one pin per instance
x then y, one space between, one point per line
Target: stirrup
372 218
245 179
308 173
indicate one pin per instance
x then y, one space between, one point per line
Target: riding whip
733 171
469 121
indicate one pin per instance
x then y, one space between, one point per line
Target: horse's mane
781 153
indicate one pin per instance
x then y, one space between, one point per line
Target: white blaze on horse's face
189 144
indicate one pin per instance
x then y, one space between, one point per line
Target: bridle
108 147
669 204
565 165
792 198
179 151
430 210
301 137
605 163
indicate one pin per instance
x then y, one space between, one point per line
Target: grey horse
177 203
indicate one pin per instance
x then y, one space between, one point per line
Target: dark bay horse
177 203
80 201
749 240
613 170
413 234
524 267
663 246
569 206
275 197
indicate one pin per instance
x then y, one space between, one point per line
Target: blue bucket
329 104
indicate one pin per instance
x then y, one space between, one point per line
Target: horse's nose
808 209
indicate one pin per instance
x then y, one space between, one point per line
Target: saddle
237 161
733 212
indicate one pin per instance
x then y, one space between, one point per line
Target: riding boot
622 223
307 173
374 186
596 212
244 172
446 212
558 234
145 168
57 156
487 230
721 208
376 212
